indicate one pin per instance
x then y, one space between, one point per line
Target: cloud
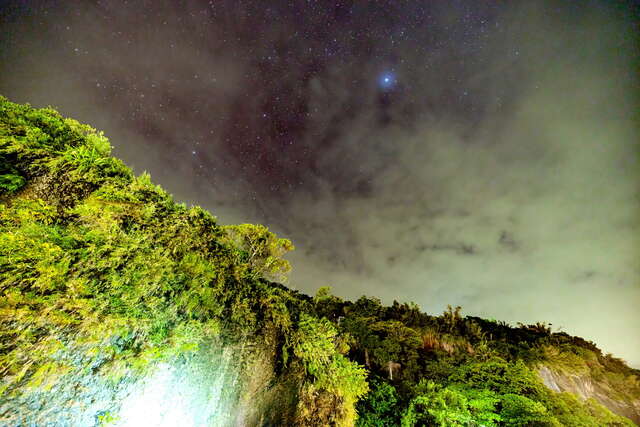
536 218
500 172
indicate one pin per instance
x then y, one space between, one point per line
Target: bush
378 407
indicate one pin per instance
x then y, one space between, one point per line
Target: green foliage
451 406
102 273
483 405
10 183
437 406
314 343
501 377
479 373
569 410
261 251
328 305
452 318
521 411
378 408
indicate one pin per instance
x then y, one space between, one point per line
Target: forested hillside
104 279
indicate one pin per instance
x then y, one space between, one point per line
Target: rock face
218 387
202 390
586 387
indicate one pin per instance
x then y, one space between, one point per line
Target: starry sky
474 153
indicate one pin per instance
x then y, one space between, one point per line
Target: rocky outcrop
586 387
217 386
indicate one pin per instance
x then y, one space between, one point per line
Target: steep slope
120 305
105 280
587 388
427 369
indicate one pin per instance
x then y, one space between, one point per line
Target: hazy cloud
500 173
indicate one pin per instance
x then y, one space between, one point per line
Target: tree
452 318
521 411
261 250
328 371
378 408
437 406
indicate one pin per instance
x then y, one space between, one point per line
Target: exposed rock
586 387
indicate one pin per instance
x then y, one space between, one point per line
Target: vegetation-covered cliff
111 291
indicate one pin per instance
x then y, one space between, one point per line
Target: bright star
387 80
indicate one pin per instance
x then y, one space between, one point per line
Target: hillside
112 293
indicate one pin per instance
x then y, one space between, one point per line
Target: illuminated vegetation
451 370
104 276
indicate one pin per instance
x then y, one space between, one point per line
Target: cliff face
586 387
216 386
108 285
120 307
200 390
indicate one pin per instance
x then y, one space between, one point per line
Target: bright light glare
160 402
179 396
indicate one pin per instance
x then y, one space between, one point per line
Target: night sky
475 153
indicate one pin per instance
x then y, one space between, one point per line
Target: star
387 80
